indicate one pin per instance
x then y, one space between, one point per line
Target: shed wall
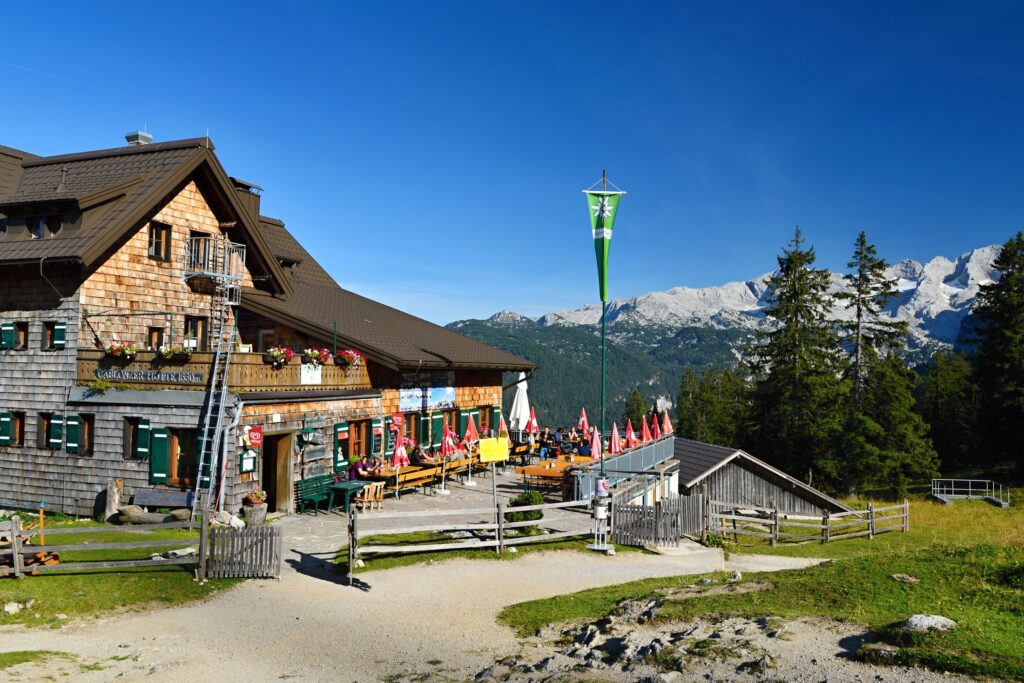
734 483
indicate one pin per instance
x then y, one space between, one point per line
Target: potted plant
122 350
347 358
278 356
254 505
175 353
315 356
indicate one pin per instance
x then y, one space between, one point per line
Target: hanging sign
310 374
247 461
493 450
255 436
604 206
397 422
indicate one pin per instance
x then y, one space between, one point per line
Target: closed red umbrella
447 442
645 431
630 435
666 426
531 426
472 435
583 425
655 429
615 447
596 447
399 458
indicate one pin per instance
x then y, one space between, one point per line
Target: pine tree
948 404
690 422
1000 358
636 408
712 408
798 393
868 334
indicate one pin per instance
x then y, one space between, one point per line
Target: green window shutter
6 428
496 418
55 438
436 429
341 447
60 335
463 422
7 335
143 437
159 454
72 427
424 430
376 429
389 437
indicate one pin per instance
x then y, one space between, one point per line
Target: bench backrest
315 486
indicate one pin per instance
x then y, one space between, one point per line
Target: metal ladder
211 429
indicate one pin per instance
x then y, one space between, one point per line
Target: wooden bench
315 490
414 478
155 498
520 451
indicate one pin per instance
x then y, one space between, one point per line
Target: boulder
131 510
182 514
878 653
12 608
922 623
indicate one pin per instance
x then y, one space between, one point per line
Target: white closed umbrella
519 415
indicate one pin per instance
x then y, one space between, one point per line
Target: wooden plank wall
738 484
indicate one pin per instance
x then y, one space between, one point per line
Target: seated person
545 442
585 449
367 466
421 457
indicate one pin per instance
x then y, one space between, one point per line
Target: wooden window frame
86 433
17 429
43 424
202 335
158 246
160 331
21 335
409 427
357 438
484 420
130 433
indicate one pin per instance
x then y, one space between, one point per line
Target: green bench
316 490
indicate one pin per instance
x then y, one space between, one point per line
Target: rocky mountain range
654 336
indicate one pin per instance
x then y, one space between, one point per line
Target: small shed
734 476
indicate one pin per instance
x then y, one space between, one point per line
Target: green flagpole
604 346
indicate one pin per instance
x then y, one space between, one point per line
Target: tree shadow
321 566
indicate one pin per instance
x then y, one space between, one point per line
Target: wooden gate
661 524
249 553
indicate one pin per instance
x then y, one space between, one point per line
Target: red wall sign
255 436
397 420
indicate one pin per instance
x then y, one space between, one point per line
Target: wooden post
204 549
825 518
42 522
871 521
16 545
501 526
775 527
352 541
906 515
705 509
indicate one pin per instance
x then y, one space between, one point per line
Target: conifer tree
869 289
712 408
636 408
1000 358
948 404
798 393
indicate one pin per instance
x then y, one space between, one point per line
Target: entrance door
274 477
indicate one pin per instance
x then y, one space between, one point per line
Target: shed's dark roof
698 459
394 338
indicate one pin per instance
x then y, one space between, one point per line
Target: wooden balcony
248 373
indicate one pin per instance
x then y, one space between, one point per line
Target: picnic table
348 489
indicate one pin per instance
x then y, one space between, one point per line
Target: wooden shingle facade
92 251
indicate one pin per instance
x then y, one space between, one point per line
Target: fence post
825 518
16 545
775 528
204 548
906 515
500 531
871 521
705 517
352 541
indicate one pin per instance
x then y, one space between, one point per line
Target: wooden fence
662 524
249 553
485 534
746 520
17 551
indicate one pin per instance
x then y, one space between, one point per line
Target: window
54 224
159 241
357 432
184 457
12 429
79 431
265 339
54 335
198 251
409 428
50 431
136 438
484 420
155 338
36 227
195 333
14 336
3 225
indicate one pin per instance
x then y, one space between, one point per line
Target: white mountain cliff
934 299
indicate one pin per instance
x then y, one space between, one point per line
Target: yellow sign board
493 450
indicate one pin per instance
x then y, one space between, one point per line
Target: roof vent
138 138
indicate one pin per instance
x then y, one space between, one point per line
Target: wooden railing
775 526
248 372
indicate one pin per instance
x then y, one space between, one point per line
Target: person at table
545 443
584 449
421 457
531 441
558 438
367 467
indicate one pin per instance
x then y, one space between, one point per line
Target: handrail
971 489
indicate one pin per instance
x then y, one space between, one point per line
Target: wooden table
349 489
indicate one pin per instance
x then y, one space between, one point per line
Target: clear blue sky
431 154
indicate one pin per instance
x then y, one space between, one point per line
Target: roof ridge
119 151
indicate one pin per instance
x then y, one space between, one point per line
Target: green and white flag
603 208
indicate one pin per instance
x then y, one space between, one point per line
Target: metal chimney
138 138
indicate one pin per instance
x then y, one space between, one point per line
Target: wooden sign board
493 450
315 453
314 423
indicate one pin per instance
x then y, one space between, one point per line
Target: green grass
381 561
969 559
87 593
9 659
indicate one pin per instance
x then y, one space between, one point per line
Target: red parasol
596 447
502 428
447 442
615 447
630 435
666 426
583 425
471 436
645 431
531 425
399 458
655 429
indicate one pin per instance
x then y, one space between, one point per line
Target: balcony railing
248 373
625 466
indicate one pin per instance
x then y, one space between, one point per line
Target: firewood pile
29 557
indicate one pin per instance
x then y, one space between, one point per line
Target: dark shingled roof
698 459
394 338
